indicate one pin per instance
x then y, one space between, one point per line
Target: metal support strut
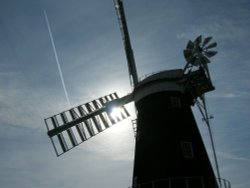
203 109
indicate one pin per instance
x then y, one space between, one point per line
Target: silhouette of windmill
169 150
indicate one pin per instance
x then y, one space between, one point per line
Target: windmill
169 151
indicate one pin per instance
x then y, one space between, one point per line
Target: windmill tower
169 150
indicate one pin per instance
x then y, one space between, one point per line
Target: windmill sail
70 128
127 44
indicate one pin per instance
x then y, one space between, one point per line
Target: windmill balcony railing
147 75
185 182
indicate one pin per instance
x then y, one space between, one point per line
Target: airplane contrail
56 57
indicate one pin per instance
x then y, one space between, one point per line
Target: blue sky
93 63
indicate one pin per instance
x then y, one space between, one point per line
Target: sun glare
116 113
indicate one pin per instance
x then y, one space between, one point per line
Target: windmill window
175 102
187 149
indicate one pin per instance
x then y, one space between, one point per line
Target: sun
116 113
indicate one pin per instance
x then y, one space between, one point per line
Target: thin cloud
232 156
21 105
223 30
225 95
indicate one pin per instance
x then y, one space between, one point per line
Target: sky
93 64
